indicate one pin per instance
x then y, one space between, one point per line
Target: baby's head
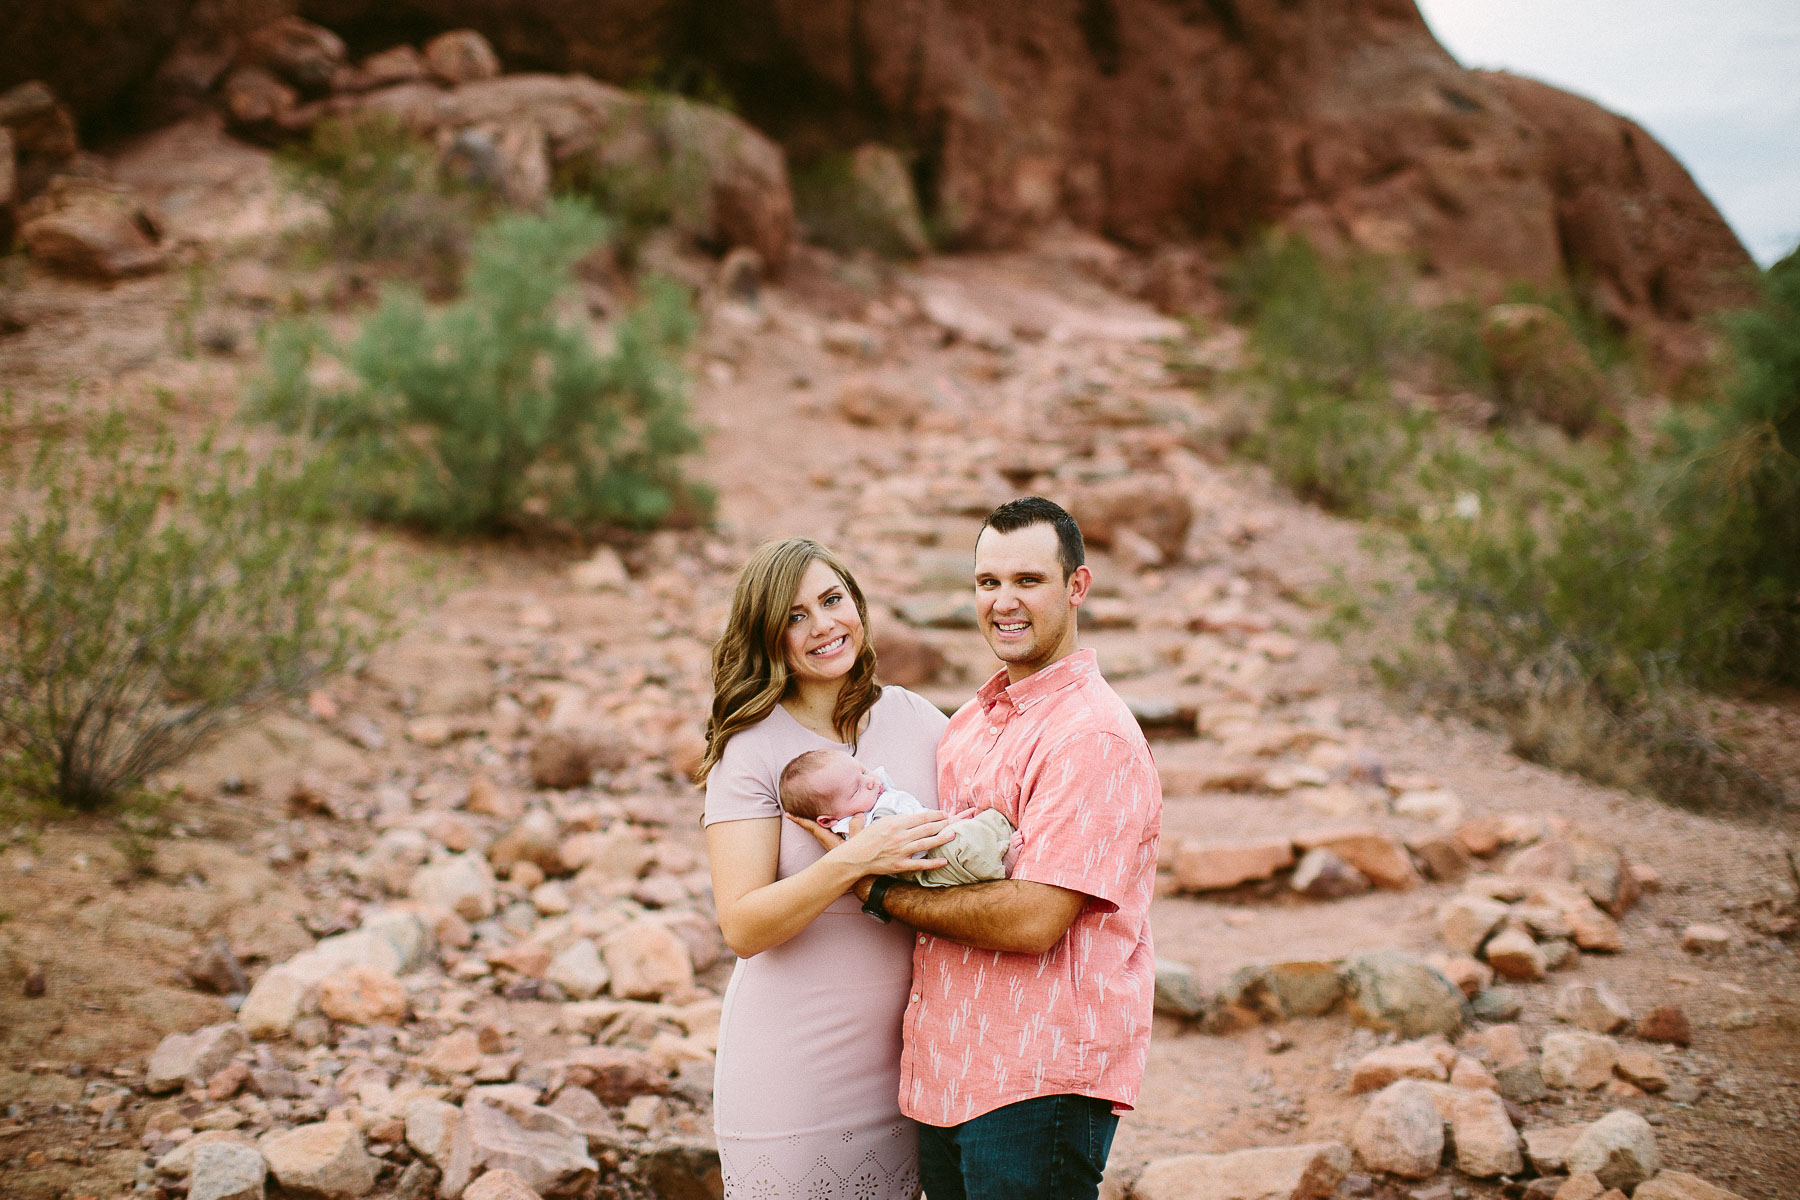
827 785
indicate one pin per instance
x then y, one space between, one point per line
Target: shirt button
915 998
921 939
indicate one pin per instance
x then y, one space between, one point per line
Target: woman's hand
887 846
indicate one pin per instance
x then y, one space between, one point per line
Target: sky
1718 83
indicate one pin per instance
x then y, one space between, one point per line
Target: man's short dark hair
1017 514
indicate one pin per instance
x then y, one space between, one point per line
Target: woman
806 1099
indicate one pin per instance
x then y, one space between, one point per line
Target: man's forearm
1015 916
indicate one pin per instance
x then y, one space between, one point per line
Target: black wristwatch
877 893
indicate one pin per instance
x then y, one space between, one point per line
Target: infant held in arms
832 788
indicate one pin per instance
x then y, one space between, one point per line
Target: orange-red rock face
1155 119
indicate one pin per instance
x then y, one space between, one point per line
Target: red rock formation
1150 120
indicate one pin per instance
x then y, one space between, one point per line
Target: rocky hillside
1151 122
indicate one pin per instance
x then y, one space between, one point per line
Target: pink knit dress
806 1099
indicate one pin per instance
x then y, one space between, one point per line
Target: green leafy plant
386 195
149 594
1578 592
497 412
1326 342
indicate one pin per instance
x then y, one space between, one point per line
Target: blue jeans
1045 1148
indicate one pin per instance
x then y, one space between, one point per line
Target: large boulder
302 53
92 230
723 183
1395 990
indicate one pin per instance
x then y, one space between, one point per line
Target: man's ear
1080 580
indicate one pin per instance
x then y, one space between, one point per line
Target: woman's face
824 632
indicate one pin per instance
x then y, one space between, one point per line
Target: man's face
1025 607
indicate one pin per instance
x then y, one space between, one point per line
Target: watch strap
875 905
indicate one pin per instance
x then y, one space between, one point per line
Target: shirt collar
1064 672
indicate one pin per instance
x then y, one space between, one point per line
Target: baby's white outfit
982 848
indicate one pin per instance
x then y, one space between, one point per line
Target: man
1029 1022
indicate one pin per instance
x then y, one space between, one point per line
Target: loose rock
1513 954
1325 876
1427 1058
1577 1059
326 1159
1666 1023
1380 857
544 1148
359 995
430 1129
1486 1142
1705 939
1391 989
227 1171
462 883
1592 1006
578 971
1178 990
1306 1172
1465 922
1212 866
1678 1185
1401 1132
183 1056
501 1184
647 962
1619 1149
461 56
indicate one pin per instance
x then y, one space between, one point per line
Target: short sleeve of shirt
1092 812
740 787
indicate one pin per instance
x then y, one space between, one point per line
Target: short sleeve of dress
741 786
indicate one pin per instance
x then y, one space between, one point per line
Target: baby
830 787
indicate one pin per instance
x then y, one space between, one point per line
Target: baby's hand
858 823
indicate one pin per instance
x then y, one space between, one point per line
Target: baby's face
848 786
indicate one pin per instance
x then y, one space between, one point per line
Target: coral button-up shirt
1060 755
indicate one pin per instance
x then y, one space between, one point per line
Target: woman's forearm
767 916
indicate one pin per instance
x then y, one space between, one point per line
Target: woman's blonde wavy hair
750 670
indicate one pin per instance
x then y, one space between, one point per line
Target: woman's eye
831 600
796 618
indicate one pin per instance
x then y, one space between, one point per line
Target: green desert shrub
498 412
1326 340
387 196
1615 595
1731 500
1580 593
149 594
